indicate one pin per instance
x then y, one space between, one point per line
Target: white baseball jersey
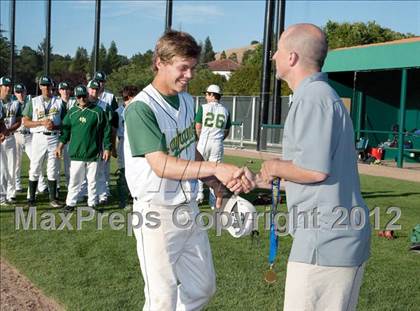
178 126
53 110
106 97
120 112
11 110
214 119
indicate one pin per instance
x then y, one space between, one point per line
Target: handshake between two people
230 179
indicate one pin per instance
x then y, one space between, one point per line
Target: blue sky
135 25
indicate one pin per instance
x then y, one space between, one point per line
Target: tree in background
138 72
29 66
351 34
4 54
102 58
207 53
80 62
131 74
223 55
202 79
233 57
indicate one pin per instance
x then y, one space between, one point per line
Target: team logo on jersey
82 120
182 140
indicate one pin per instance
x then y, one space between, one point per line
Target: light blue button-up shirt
328 220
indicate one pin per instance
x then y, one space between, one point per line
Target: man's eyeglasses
81 96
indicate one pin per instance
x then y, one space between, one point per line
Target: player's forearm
28 123
166 166
15 125
291 172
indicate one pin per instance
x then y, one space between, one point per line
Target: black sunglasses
81 96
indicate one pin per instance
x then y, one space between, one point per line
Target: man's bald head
308 41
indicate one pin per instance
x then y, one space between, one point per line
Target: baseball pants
176 263
8 165
43 146
211 150
312 288
24 143
79 170
66 160
103 178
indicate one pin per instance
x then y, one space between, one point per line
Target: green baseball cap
63 86
5 81
100 76
93 84
19 88
45 80
80 90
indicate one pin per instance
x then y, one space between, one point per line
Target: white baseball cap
213 88
242 216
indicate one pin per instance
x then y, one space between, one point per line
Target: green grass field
93 269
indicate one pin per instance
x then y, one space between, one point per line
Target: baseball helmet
242 216
100 76
5 81
93 84
19 88
63 85
213 88
80 90
46 80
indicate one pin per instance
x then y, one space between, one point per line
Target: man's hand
268 168
49 124
224 172
58 152
106 155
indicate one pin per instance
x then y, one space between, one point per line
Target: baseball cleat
56 204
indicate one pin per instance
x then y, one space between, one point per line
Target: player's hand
267 169
224 172
246 181
49 124
58 153
106 155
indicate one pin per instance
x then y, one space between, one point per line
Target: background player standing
212 126
11 119
44 116
69 102
128 94
23 138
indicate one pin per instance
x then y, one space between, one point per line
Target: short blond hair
175 43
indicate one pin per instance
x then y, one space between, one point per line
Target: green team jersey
141 119
87 129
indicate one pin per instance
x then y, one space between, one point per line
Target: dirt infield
411 172
18 293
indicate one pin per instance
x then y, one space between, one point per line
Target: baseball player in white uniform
103 165
11 119
23 139
162 171
112 104
212 127
128 94
43 116
64 90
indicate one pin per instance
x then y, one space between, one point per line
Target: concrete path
411 172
